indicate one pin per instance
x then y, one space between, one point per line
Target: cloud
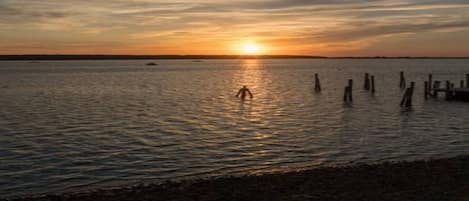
370 31
169 22
15 15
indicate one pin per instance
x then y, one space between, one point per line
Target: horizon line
200 56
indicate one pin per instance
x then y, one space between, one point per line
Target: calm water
73 125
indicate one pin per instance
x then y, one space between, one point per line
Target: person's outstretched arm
250 94
239 92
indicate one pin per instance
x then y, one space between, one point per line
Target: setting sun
251 48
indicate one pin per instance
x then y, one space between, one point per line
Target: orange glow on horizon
239 27
250 48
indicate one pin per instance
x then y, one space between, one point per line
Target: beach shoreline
438 179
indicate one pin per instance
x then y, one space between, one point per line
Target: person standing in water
243 92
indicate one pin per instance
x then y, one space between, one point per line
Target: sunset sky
306 27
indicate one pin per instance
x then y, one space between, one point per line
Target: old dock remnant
366 83
407 98
317 83
450 91
436 86
430 81
348 92
402 80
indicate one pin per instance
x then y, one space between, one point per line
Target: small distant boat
151 64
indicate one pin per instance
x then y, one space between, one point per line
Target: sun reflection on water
258 112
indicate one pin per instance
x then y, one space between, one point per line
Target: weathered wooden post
402 82
317 83
348 92
453 91
350 85
426 90
430 81
366 84
407 98
373 84
467 80
448 89
404 97
436 85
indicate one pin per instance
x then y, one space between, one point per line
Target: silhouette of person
243 92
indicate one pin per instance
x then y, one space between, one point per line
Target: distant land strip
190 57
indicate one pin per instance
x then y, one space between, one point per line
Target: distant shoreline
189 57
430 180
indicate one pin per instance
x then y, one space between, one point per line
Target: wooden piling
373 84
317 83
350 85
430 81
407 98
366 84
436 85
402 80
452 91
348 92
404 97
411 93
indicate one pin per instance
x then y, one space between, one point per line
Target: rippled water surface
73 125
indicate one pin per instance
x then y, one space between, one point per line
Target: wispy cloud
304 26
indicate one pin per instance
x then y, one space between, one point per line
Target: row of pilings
431 88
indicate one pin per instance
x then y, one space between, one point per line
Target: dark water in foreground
72 125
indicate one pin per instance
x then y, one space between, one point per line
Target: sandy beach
439 180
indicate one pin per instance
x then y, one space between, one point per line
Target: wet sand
438 180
